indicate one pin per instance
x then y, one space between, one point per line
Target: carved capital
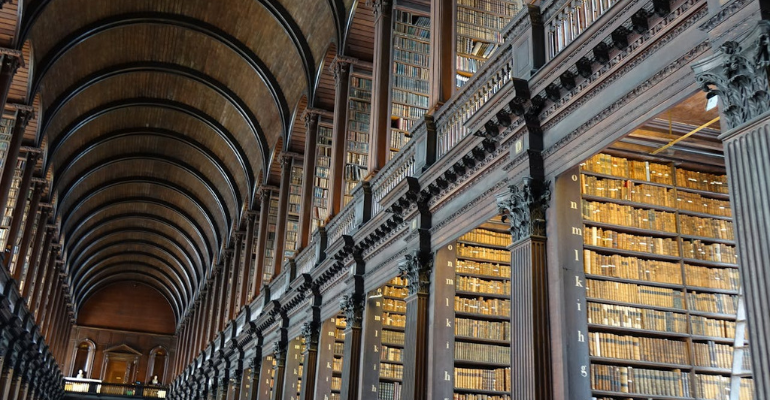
352 306
524 207
310 333
738 74
380 7
339 68
279 353
416 268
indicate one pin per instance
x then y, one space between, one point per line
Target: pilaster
341 71
380 117
352 306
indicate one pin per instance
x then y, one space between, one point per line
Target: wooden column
308 177
380 117
245 283
341 71
42 292
18 210
224 285
6 179
525 205
8 67
442 45
310 330
353 308
40 258
261 240
283 207
265 381
34 273
236 272
291 368
32 217
417 269
738 74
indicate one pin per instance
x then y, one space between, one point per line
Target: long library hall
385 199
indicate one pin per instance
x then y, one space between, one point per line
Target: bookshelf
294 207
272 222
393 307
320 210
267 378
294 366
6 130
410 83
359 117
252 269
479 33
13 194
661 282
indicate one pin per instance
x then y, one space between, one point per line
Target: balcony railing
574 17
98 388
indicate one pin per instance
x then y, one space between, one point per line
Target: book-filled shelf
13 195
479 33
272 222
359 116
6 129
294 365
473 291
292 216
410 83
267 378
660 282
330 355
320 209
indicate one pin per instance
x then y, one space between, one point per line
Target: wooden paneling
128 306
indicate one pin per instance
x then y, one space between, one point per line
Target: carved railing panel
572 19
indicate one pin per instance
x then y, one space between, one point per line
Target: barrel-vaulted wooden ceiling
160 118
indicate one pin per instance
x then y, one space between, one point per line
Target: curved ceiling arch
244 52
206 242
207 184
161 287
159 67
151 133
91 245
188 196
93 262
79 237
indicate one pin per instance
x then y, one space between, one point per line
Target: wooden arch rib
210 187
162 67
89 243
163 265
196 25
81 271
94 214
155 282
199 208
105 109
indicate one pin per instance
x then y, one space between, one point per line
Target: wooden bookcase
293 212
6 129
13 195
479 33
359 117
322 175
410 83
294 364
330 355
662 289
267 379
272 222
473 291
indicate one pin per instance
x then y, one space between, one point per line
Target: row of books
715 278
713 302
411 24
482 19
473 396
402 124
707 227
356 158
357 82
404 111
497 307
608 345
469 46
417 59
482 329
632 293
393 371
636 318
626 190
695 202
404 43
618 266
623 168
484 236
712 387
391 354
469 65
713 355
357 95
485 353
712 327
701 181
393 337
336 383
505 7
716 252
479 32
358 134
639 380
398 140
393 320
477 285
394 305
411 84
339 348
409 98
616 214
353 174
389 391
483 379
395 291
483 268
464 250
595 236
461 80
